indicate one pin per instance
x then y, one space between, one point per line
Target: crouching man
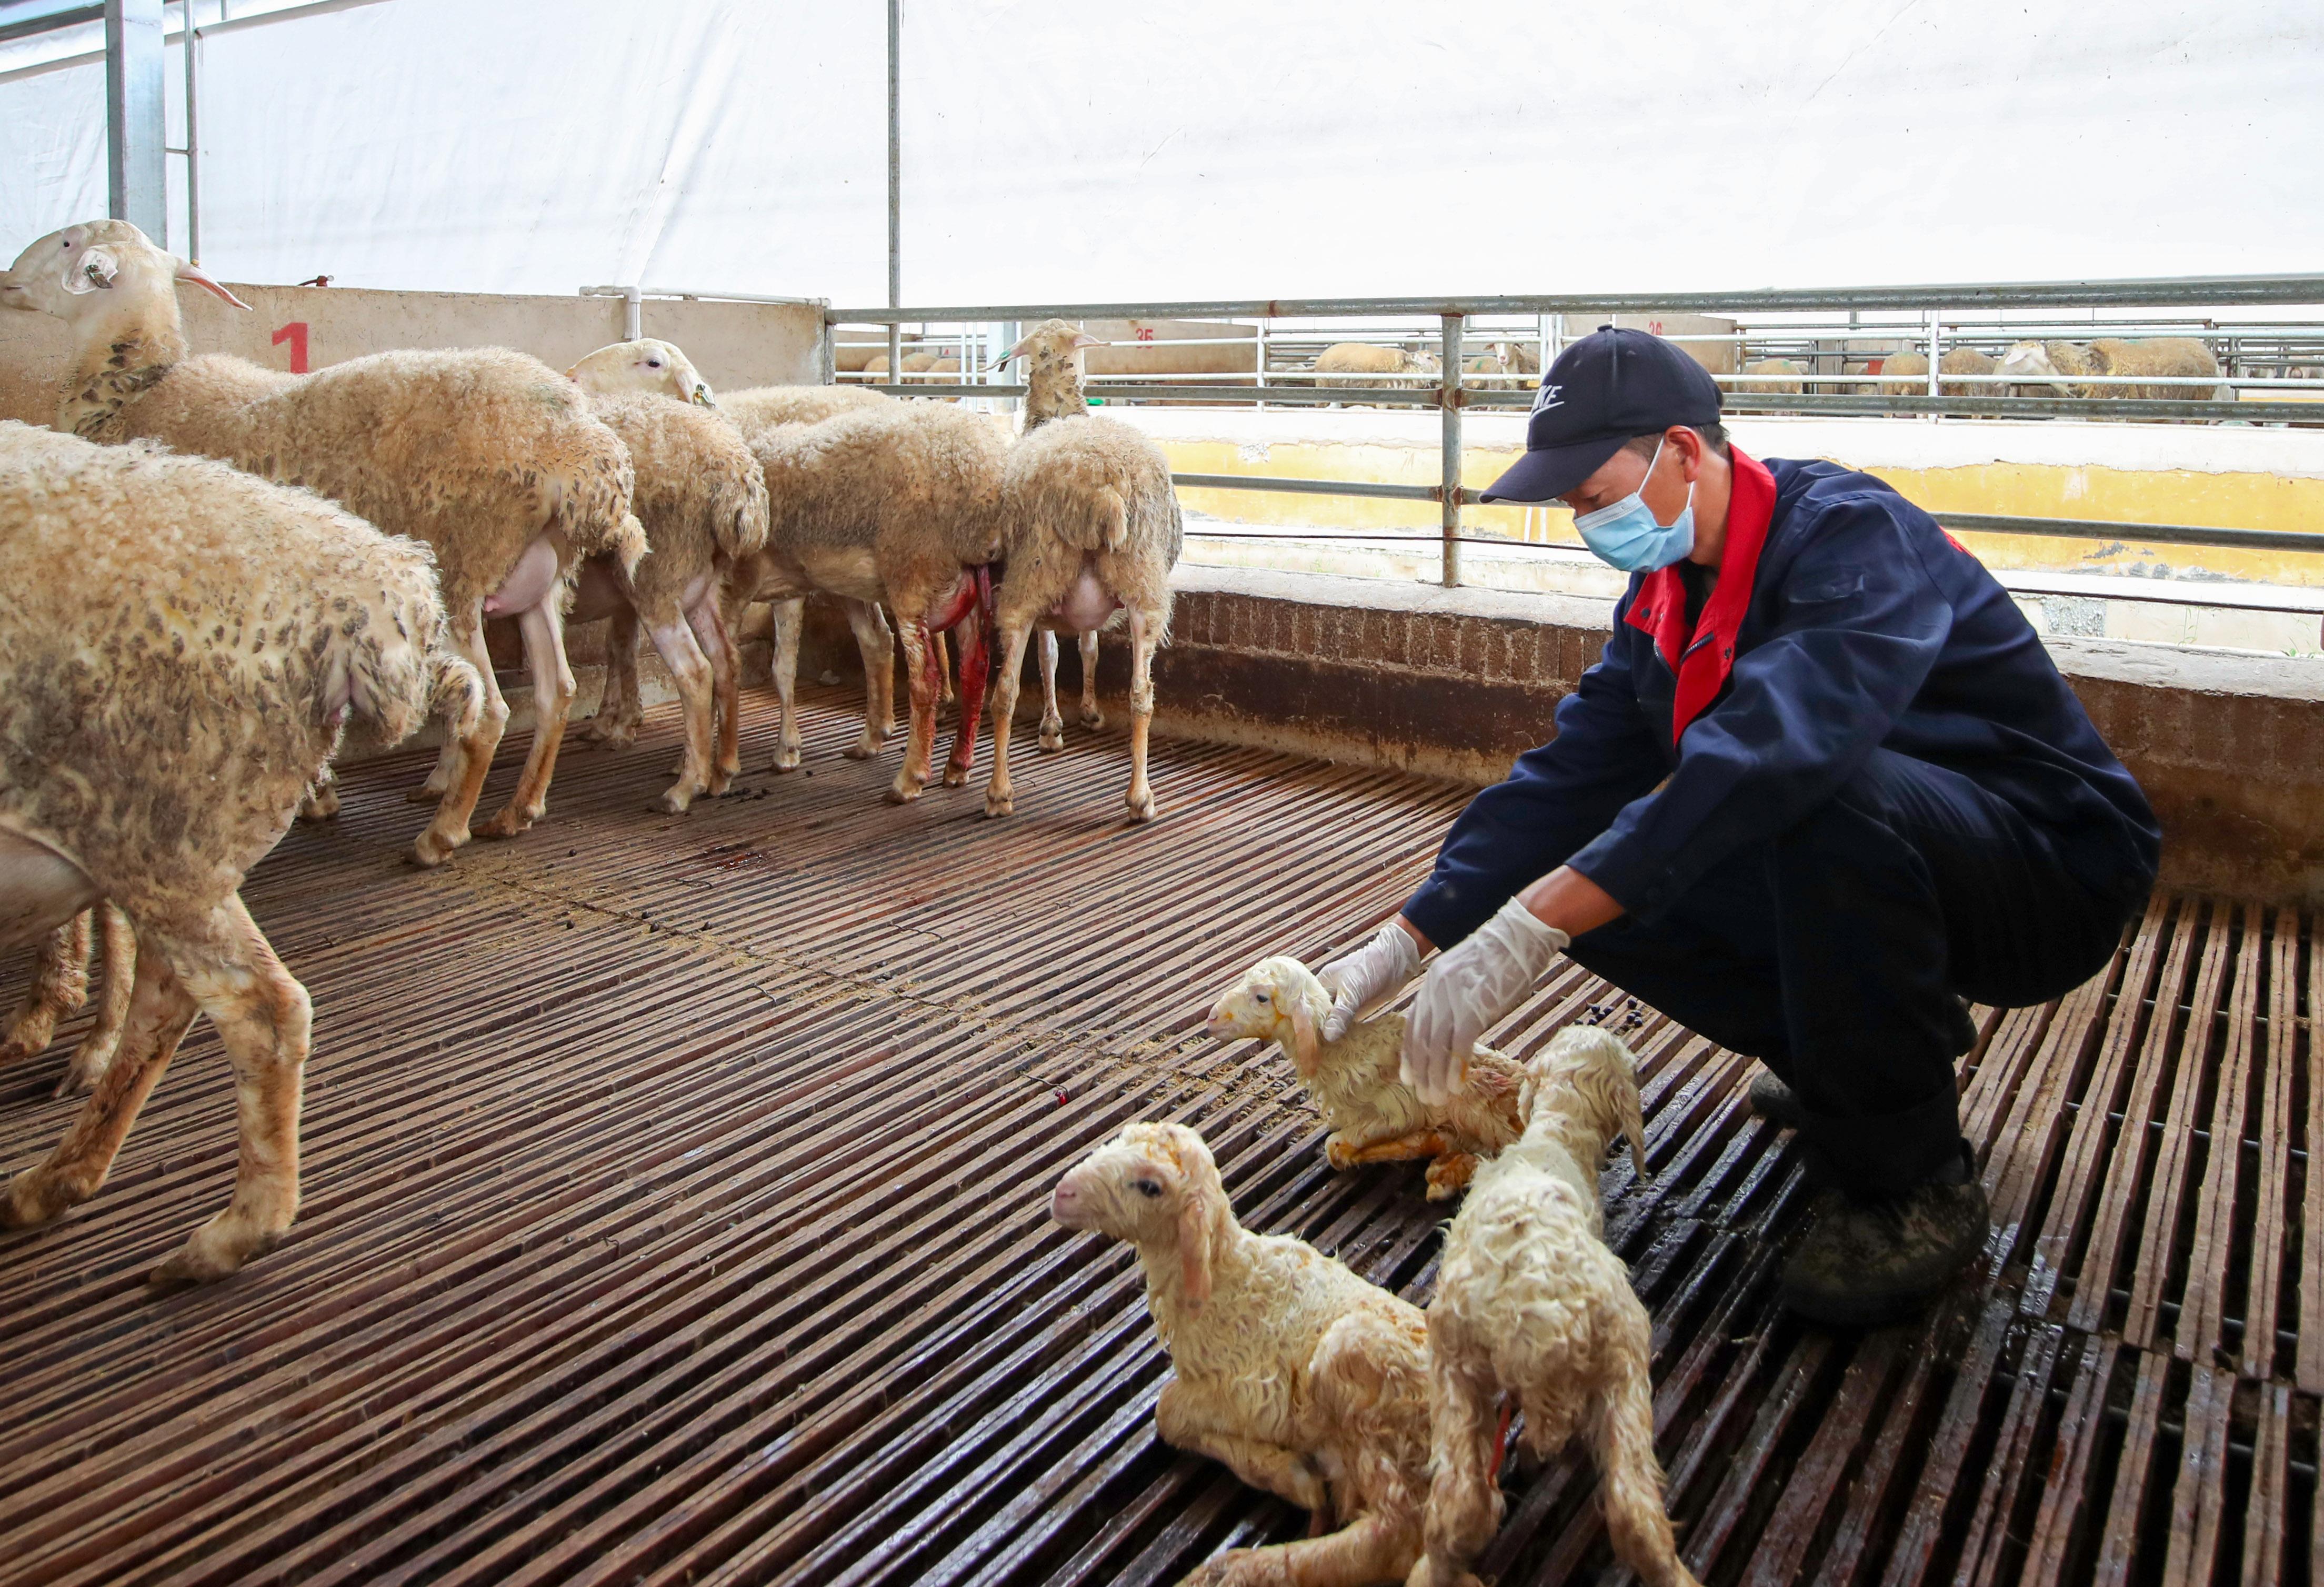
1824 784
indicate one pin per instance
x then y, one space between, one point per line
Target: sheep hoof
1092 717
722 778
903 792
431 849
604 734
33 1199
674 801
862 749
1140 804
1000 804
956 777
506 824
319 805
207 1257
788 758
1053 736
425 794
82 1076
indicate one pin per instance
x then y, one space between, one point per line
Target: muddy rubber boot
1869 1262
1776 1101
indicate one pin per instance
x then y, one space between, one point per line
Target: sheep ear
95 271
188 270
1195 1251
1302 1035
1082 338
1012 353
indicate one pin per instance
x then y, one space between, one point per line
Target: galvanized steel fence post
895 186
1448 391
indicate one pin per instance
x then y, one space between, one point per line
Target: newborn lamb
1530 1302
1375 1117
1302 1378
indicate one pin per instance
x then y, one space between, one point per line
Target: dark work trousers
1832 952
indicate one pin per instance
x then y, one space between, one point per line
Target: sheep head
1586 1074
89 270
646 364
1157 1187
1276 1000
2030 362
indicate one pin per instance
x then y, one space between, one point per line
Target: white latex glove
1469 987
1373 973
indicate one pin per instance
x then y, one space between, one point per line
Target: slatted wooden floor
675 1212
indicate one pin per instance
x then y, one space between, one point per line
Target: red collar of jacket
1703 659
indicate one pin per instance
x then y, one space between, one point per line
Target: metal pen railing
1451 391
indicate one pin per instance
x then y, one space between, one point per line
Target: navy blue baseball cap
1603 390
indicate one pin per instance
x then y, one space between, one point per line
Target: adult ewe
1298 1376
180 647
653 366
486 454
898 505
1093 530
1052 351
703 504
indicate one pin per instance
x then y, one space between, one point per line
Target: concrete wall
733 345
1456 683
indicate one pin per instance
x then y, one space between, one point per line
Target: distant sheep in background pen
2054 365
1793 378
1906 375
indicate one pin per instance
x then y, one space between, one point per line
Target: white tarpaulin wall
1056 150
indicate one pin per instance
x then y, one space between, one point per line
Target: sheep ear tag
96 272
188 270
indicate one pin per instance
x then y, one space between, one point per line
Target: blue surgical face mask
1625 532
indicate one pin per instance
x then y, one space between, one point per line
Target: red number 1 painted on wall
294 333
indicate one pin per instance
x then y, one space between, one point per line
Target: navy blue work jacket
1844 620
